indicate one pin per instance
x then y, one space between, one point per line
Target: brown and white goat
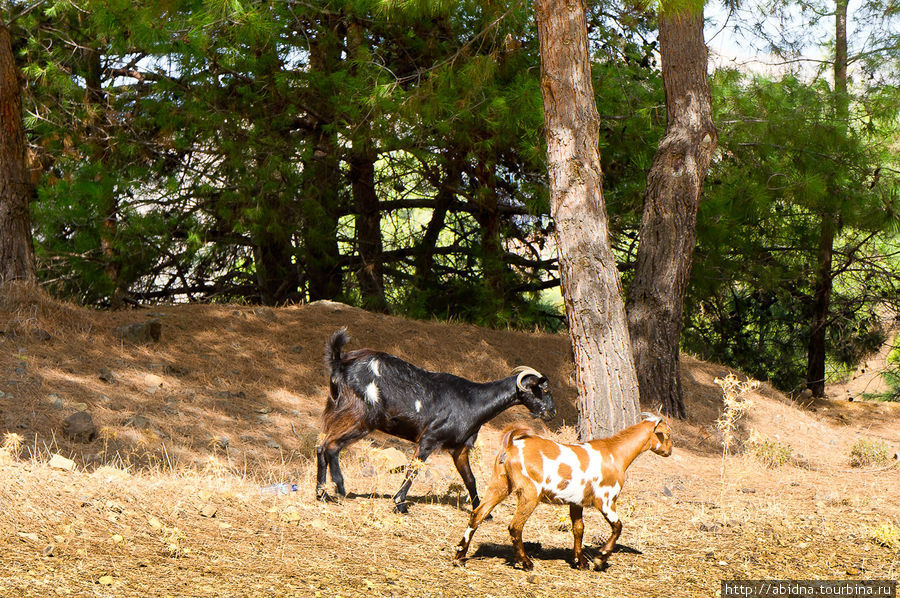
537 469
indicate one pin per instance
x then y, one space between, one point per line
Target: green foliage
784 162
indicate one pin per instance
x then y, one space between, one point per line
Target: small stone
48 550
297 349
722 563
709 527
117 538
107 375
852 571
140 332
106 580
666 491
57 461
40 335
56 401
748 490
153 380
30 536
209 510
272 444
291 516
79 406
219 442
79 427
154 522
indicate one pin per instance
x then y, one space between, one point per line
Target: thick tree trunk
604 367
322 184
816 354
668 227
16 191
368 228
815 363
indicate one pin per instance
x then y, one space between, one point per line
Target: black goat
376 391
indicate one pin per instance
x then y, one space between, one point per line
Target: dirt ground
166 502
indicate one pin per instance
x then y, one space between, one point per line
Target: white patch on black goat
374 366
372 393
418 406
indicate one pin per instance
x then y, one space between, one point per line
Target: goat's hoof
401 507
526 564
600 563
459 561
323 496
581 563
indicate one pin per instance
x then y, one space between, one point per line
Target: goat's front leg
609 513
576 512
412 470
461 460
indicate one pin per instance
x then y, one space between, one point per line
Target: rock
139 422
29 536
154 522
709 527
266 313
106 580
666 491
272 444
140 332
219 442
209 510
49 550
56 401
107 375
748 490
40 335
80 427
79 406
153 380
57 461
175 370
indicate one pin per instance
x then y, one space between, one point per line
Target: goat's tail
333 354
512 432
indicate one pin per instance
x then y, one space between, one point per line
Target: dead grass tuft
869 451
770 452
887 535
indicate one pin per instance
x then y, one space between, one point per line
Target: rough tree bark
604 367
830 224
322 184
668 226
16 191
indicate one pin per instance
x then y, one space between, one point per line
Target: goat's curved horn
523 371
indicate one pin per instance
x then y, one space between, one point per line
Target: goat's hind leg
576 512
496 492
528 501
327 457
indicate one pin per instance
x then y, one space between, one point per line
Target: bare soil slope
165 500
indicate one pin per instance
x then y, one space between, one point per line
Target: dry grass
869 451
173 508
